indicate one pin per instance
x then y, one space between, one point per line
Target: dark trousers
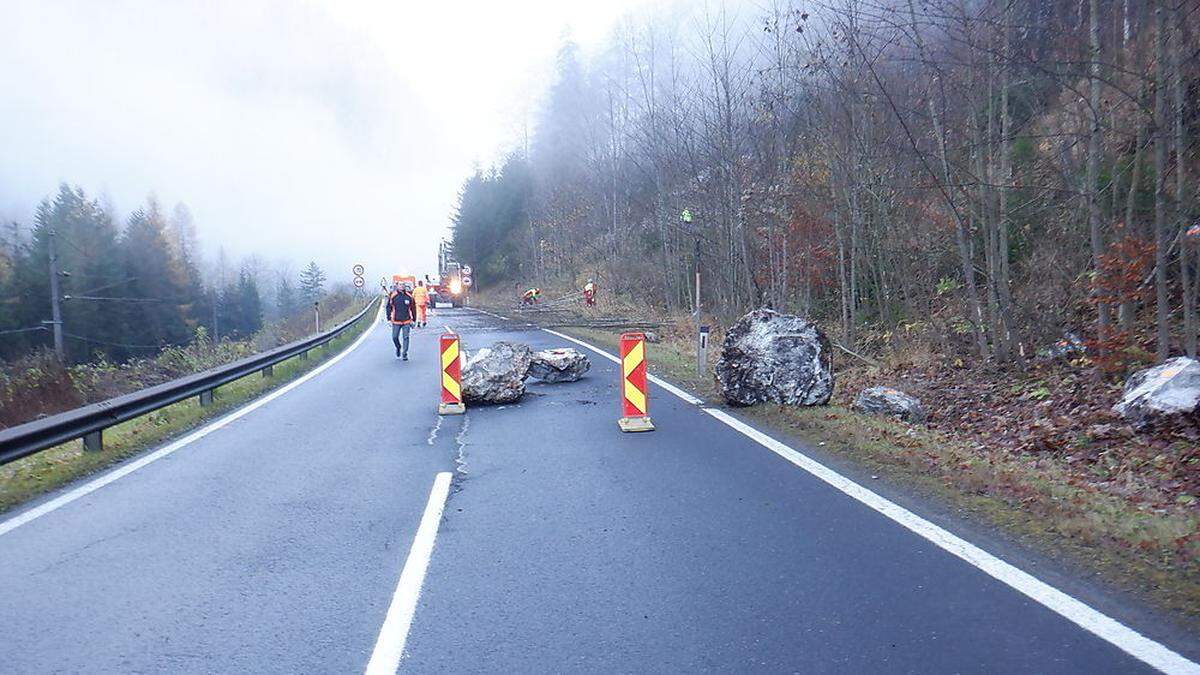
399 329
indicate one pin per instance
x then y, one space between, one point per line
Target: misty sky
337 130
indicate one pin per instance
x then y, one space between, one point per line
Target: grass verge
55 467
1148 553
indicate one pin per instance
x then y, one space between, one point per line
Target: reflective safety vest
421 295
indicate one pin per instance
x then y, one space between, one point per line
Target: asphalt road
275 544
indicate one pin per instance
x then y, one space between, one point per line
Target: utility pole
216 333
55 299
701 331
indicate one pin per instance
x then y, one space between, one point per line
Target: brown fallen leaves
1056 411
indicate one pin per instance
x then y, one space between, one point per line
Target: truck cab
450 289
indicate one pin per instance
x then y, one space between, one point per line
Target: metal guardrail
90 421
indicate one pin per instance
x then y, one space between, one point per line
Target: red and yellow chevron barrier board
635 411
451 376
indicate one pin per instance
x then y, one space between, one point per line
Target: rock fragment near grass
890 402
1166 392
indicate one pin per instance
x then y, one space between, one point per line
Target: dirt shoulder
1032 459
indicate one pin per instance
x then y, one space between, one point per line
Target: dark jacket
401 308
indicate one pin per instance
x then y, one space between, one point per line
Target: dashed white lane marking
1103 626
124 470
389 647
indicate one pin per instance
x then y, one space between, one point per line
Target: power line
22 330
110 344
108 286
95 297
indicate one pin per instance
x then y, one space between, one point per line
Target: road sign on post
358 270
451 366
635 410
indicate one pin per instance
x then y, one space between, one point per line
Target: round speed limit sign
358 270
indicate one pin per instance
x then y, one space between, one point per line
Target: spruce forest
130 289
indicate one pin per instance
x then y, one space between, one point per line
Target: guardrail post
304 355
269 371
206 398
93 442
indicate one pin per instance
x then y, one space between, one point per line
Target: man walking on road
421 298
401 313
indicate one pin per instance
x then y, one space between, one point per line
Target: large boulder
496 374
773 357
892 402
1170 389
559 365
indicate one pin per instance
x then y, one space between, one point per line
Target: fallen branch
865 359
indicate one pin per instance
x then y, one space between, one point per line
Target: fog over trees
128 288
991 174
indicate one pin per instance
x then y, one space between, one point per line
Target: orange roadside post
451 376
635 411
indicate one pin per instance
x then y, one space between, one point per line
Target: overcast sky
337 130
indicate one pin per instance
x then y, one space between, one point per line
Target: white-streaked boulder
1170 389
559 365
768 357
496 374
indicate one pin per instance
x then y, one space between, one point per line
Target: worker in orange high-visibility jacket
401 313
421 298
589 293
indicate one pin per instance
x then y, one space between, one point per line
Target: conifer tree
285 297
312 283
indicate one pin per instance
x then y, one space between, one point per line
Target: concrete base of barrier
635 424
451 408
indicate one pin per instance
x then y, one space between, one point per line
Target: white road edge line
389 647
1103 626
656 380
1126 639
126 469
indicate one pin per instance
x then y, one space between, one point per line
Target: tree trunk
974 309
1160 182
1093 171
1181 210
